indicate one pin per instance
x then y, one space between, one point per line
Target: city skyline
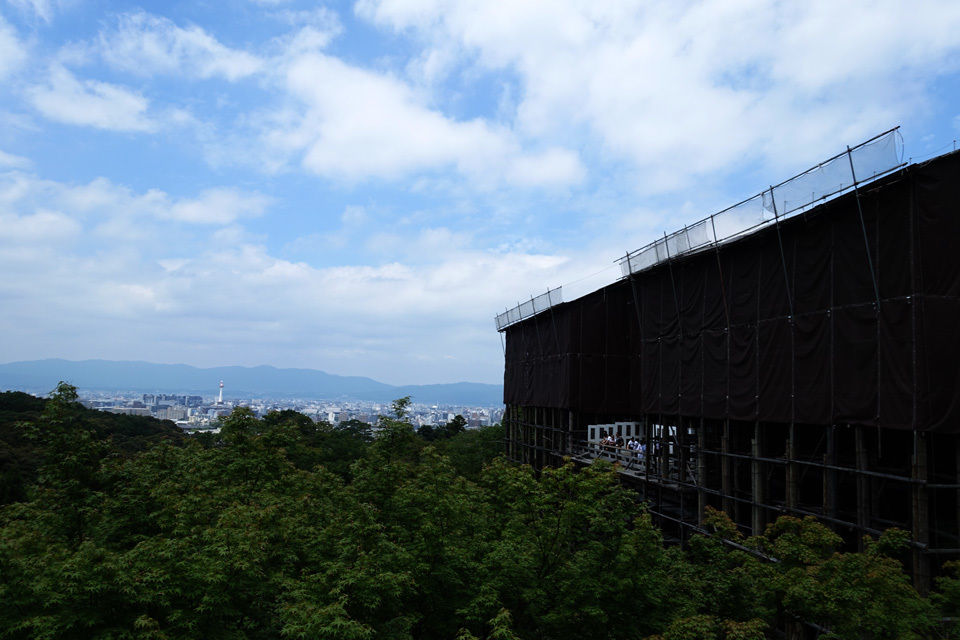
190 412
360 188
40 376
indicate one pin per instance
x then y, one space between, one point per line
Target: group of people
609 441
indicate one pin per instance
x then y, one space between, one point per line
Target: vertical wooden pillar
537 438
726 470
830 475
648 456
682 457
542 438
863 486
875 485
530 416
921 516
702 471
508 434
664 451
556 435
757 481
956 444
793 473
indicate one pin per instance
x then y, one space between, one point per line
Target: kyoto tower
220 399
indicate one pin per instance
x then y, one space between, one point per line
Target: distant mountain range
43 375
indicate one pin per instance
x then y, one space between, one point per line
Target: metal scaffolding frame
809 369
756 472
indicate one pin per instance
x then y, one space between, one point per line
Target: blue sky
360 187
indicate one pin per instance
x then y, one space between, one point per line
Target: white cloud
682 90
553 167
320 18
112 261
433 65
12 52
305 40
218 206
91 103
354 216
43 9
359 124
243 301
106 203
42 227
473 110
12 161
145 44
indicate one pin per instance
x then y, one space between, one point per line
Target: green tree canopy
262 535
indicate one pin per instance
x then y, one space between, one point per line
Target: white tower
220 399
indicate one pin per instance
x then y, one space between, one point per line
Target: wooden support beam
702 471
956 445
863 486
681 457
757 481
726 470
829 475
648 457
664 457
921 516
793 471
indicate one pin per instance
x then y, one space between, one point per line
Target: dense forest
280 527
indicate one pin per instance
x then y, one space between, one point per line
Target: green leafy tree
860 594
20 456
469 451
396 439
400 409
794 574
247 538
72 453
438 518
571 554
723 578
342 445
947 600
443 432
456 426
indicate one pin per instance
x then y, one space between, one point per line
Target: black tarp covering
783 325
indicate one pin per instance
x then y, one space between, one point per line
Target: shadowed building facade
810 367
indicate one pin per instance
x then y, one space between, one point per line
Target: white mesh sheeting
870 159
816 184
833 176
875 158
738 218
530 308
693 237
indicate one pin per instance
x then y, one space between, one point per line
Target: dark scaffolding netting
847 313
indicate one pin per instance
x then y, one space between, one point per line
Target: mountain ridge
148 377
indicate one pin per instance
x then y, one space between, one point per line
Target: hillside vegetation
285 528
23 450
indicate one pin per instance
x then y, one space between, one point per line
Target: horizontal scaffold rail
528 309
866 161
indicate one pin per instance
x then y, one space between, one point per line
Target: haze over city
360 187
